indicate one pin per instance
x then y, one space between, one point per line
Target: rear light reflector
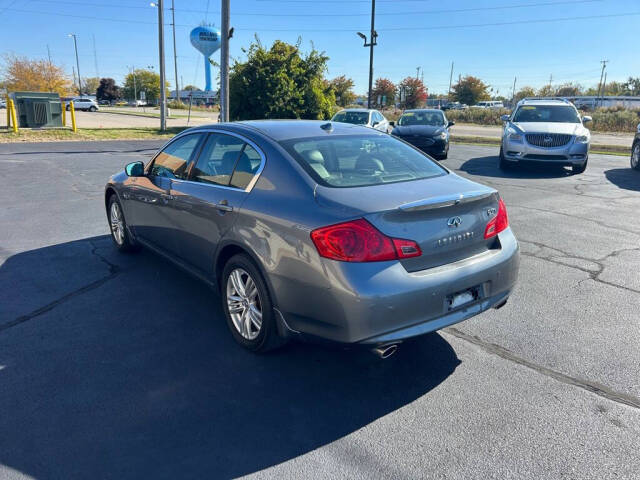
498 223
359 241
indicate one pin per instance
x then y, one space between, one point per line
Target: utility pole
75 44
175 55
135 87
95 56
417 73
450 81
163 93
513 95
604 65
373 36
50 67
604 86
224 61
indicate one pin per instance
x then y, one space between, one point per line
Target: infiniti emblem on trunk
454 221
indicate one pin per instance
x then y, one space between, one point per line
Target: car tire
503 164
118 227
255 333
93 109
577 169
635 156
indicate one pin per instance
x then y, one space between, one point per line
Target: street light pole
75 44
224 62
175 55
373 37
163 93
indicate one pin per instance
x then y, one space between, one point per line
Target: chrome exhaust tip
385 351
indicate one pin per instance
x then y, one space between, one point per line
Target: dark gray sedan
323 230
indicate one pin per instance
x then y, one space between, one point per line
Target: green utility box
37 109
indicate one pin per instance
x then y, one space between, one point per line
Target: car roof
543 101
358 110
279 130
430 110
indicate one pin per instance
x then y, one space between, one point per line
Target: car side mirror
393 124
135 169
451 123
375 122
504 118
586 119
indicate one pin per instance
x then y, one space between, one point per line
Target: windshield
435 119
357 118
357 161
546 113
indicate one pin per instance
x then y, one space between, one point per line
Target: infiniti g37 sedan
322 230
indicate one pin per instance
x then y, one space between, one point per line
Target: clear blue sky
412 33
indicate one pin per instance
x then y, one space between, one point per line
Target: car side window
217 160
246 167
173 161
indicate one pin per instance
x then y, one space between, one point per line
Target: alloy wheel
117 223
243 303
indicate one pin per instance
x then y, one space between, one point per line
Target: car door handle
224 206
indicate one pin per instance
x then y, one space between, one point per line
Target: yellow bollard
73 117
64 115
14 122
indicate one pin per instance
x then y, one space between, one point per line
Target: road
121 366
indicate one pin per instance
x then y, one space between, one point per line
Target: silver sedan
319 230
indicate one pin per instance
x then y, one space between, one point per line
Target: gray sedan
323 230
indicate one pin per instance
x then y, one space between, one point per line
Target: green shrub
480 116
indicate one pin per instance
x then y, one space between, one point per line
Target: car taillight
359 241
498 223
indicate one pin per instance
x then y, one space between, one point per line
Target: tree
90 85
192 88
546 91
415 93
343 90
145 81
108 90
23 74
524 92
384 88
568 90
280 82
470 90
632 86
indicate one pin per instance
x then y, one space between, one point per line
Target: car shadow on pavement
124 368
488 167
626 178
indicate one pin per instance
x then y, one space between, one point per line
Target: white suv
85 104
549 131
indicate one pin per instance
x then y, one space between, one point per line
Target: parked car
85 104
318 230
547 131
104 102
363 116
635 150
121 103
425 129
455 106
489 104
3 104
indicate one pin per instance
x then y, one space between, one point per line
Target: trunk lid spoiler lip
447 200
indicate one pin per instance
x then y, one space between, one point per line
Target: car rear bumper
379 302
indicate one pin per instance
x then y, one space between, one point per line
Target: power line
333 15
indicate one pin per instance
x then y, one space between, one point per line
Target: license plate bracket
462 298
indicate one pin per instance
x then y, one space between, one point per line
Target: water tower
207 41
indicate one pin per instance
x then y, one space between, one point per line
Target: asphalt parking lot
121 366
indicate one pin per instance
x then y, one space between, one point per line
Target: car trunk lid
445 215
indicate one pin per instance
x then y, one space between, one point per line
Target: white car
363 116
489 104
85 104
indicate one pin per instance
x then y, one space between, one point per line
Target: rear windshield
362 160
357 118
547 113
